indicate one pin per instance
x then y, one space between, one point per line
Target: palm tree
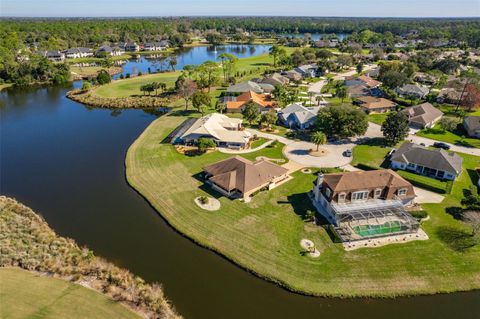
319 138
173 62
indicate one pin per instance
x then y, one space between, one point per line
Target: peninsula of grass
29 295
263 235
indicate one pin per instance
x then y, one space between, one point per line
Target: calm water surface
67 162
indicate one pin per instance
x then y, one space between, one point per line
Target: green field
377 118
372 154
27 295
264 234
436 133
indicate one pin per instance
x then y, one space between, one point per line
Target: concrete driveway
299 152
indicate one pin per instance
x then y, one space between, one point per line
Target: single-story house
275 79
412 90
472 126
449 95
245 87
80 52
372 104
362 80
424 115
131 47
262 101
307 70
332 43
356 91
237 177
425 78
436 163
225 131
292 75
298 116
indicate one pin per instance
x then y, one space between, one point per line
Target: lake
66 162
192 56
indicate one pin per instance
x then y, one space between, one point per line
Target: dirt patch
320 153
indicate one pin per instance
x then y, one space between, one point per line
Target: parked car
422 144
347 153
441 145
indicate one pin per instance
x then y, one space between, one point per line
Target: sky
343 8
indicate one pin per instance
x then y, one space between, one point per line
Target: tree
276 52
215 38
250 112
393 79
267 119
447 124
318 138
471 97
172 61
103 77
86 86
395 128
342 121
201 100
342 92
228 65
204 143
147 88
359 67
208 74
186 88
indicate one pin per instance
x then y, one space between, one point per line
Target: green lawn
436 133
264 234
258 142
94 59
371 154
424 181
129 87
27 295
377 118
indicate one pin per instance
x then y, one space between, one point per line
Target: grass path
263 235
26 295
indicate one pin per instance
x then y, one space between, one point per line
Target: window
327 192
411 165
341 197
402 192
361 195
378 192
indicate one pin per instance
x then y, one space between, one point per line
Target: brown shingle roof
371 102
242 174
358 180
260 99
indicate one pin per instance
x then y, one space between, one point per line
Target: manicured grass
87 71
377 118
263 235
436 133
371 154
260 141
424 181
27 295
129 87
94 59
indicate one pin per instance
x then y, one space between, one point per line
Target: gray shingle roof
472 122
436 159
422 113
245 87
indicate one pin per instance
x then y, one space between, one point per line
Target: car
347 153
422 144
441 145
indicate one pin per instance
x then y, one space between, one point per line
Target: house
292 75
326 43
365 204
472 126
226 132
307 70
425 78
237 177
276 79
356 91
54 56
435 163
106 50
131 47
245 87
362 80
80 52
298 116
412 90
424 115
449 95
155 46
373 73
262 101
372 104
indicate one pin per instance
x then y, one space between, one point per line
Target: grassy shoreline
263 236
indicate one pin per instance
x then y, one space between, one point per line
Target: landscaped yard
377 118
372 153
436 133
428 183
258 142
264 234
26 295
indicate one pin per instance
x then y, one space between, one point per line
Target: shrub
203 200
205 143
419 214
